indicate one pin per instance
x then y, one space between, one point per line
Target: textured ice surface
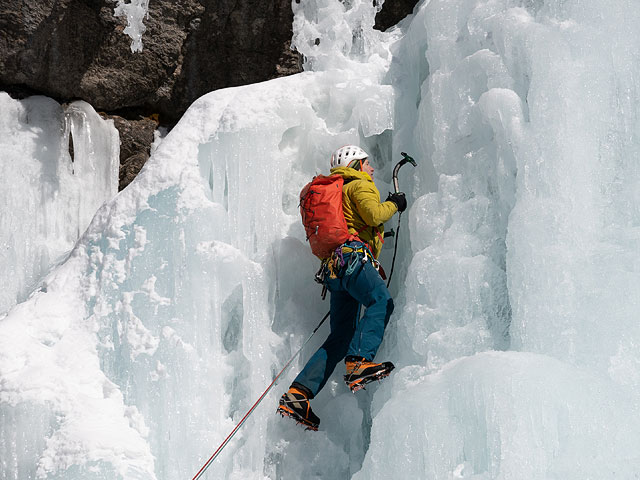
47 197
517 285
529 114
186 294
503 415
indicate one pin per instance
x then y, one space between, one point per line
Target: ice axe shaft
405 158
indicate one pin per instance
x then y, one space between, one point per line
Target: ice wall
48 197
576 286
335 35
502 415
529 114
187 293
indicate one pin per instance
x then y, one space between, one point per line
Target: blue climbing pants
348 335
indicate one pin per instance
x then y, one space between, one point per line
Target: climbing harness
337 257
335 263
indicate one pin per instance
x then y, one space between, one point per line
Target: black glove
399 199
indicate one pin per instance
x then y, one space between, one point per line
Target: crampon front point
287 412
363 373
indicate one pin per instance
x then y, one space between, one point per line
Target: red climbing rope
264 394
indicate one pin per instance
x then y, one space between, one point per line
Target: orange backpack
322 215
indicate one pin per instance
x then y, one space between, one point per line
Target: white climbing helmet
343 156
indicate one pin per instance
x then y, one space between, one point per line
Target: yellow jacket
364 212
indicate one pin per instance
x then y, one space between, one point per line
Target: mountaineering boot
295 404
360 371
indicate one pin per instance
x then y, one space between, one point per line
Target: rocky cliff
76 49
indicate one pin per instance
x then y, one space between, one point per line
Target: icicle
135 11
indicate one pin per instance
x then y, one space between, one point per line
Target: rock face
392 12
70 49
136 136
76 49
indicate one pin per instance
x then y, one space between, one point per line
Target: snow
517 284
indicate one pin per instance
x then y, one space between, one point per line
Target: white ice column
48 198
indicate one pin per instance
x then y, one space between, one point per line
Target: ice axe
405 159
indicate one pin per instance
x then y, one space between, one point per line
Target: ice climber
351 275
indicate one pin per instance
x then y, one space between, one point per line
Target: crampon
361 372
295 404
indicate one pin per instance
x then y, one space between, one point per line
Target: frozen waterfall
58 167
515 333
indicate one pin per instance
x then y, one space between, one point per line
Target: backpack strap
357 235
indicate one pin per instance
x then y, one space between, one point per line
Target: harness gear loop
333 265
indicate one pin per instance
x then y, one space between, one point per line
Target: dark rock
136 137
76 49
70 49
392 12
236 43
130 168
290 62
